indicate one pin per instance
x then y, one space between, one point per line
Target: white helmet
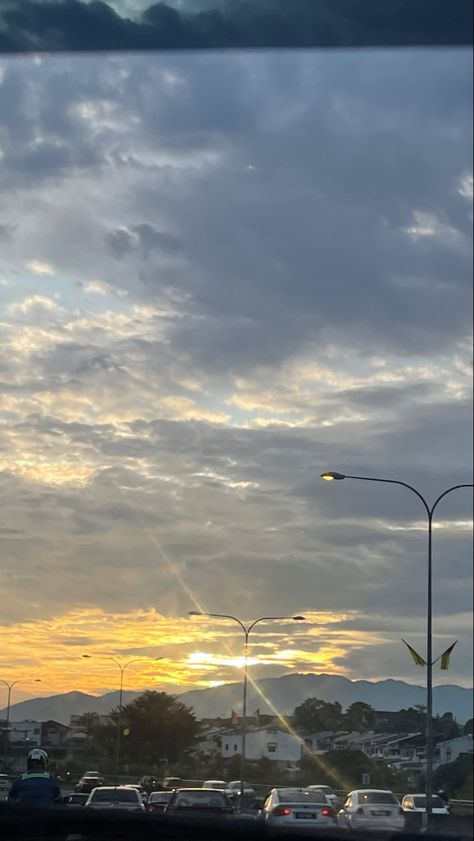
38 755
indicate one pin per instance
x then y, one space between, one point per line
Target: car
417 803
234 787
157 801
218 785
5 786
373 808
122 798
414 806
92 774
75 799
331 795
172 782
143 794
296 810
198 801
87 784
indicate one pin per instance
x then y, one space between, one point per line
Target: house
450 749
279 746
54 734
26 732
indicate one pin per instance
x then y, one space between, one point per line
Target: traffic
277 810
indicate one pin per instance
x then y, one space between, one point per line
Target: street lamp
246 629
331 475
122 667
7 726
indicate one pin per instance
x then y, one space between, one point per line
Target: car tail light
360 811
150 809
279 811
328 812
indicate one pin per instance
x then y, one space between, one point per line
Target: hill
280 693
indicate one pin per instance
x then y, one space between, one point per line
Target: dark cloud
72 25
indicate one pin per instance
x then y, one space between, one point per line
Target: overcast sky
221 275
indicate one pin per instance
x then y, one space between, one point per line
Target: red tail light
328 813
150 809
279 811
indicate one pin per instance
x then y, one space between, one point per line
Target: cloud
211 337
74 25
38 267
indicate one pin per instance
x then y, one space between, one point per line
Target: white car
232 789
218 785
416 803
297 810
371 809
140 789
124 798
331 795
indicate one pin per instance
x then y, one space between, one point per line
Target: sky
220 275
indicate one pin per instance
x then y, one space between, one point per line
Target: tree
314 715
469 727
156 726
456 777
359 716
343 769
446 726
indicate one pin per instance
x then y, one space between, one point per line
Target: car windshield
374 797
159 797
188 799
420 802
115 796
236 396
301 796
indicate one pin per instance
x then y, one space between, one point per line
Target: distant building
54 734
450 749
26 732
278 746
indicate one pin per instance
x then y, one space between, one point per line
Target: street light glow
329 475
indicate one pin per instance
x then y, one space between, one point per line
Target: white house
276 745
452 748
25 732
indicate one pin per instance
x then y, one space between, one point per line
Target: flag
416 657
257 714
445 656
234 717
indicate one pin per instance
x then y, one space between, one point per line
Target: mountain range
280 693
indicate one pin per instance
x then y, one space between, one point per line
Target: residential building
26 732
279 746
450 749
54 734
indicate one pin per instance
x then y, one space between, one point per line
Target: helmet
38 755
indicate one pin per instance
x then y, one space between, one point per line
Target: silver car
376 809
118 798
297 810
329 792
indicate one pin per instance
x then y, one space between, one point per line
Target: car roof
196 788
371 791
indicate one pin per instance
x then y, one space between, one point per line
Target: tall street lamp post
122 667
246 630
7 725
332 475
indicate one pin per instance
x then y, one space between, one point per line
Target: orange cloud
194 653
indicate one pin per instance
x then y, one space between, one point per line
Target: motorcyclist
36 787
